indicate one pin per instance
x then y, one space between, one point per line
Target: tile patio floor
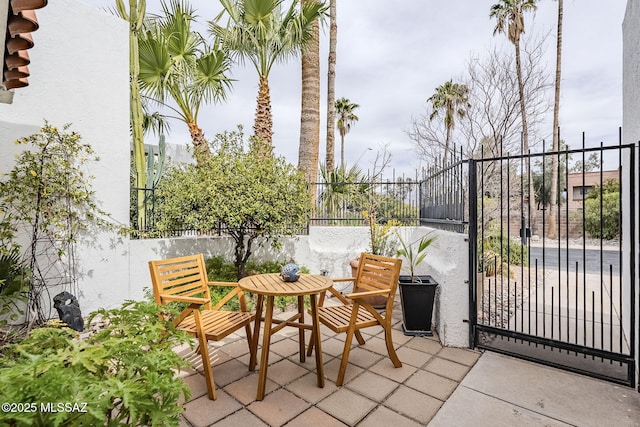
374 392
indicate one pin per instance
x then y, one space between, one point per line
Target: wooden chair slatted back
376 272
184 276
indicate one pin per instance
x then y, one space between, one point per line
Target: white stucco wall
79 75
330 249
631 133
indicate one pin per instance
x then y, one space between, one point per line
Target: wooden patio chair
184 279
377 275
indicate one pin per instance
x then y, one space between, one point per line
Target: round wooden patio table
271 286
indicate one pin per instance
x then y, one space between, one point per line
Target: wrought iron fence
434 197
444 194
551 258
349 203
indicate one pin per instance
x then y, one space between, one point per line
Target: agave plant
414 255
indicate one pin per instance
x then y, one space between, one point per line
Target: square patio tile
203 412
285 371
413 404
235 348
372 386
371 332
377 345
241 418
363 358
398 337
386 369
464 356
198 385
386 417
216 357
286 347
432 384
347 406
229 372
245 358
278 407
424 344
333 346
331 371
413 357
314 417
447 368
307 388
245 389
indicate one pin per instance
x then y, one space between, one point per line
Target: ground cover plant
123 374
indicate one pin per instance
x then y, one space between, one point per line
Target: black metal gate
552 272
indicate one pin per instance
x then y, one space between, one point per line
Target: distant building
578 187
175 153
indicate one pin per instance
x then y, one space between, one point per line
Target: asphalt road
589 257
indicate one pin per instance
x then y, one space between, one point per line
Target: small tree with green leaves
251 195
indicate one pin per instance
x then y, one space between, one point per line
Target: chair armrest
189 300
357 295
236 291
225 284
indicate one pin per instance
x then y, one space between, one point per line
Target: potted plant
417 293
382 242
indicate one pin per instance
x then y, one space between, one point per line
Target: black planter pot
417 300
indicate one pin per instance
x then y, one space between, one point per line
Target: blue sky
391 58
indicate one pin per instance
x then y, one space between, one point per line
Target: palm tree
135 17
450 99
331 85
510 20
553 199
346 117
343 192
177 63
309 148
259 31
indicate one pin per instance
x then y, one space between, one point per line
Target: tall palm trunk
553 194
525 138
446 147
200 145
331 86
341 150
309 149
263 124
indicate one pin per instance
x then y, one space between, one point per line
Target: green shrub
606 219
123 374
14 285
498 252
220 270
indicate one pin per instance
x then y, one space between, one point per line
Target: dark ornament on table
290 272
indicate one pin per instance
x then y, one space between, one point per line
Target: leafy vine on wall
47 207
